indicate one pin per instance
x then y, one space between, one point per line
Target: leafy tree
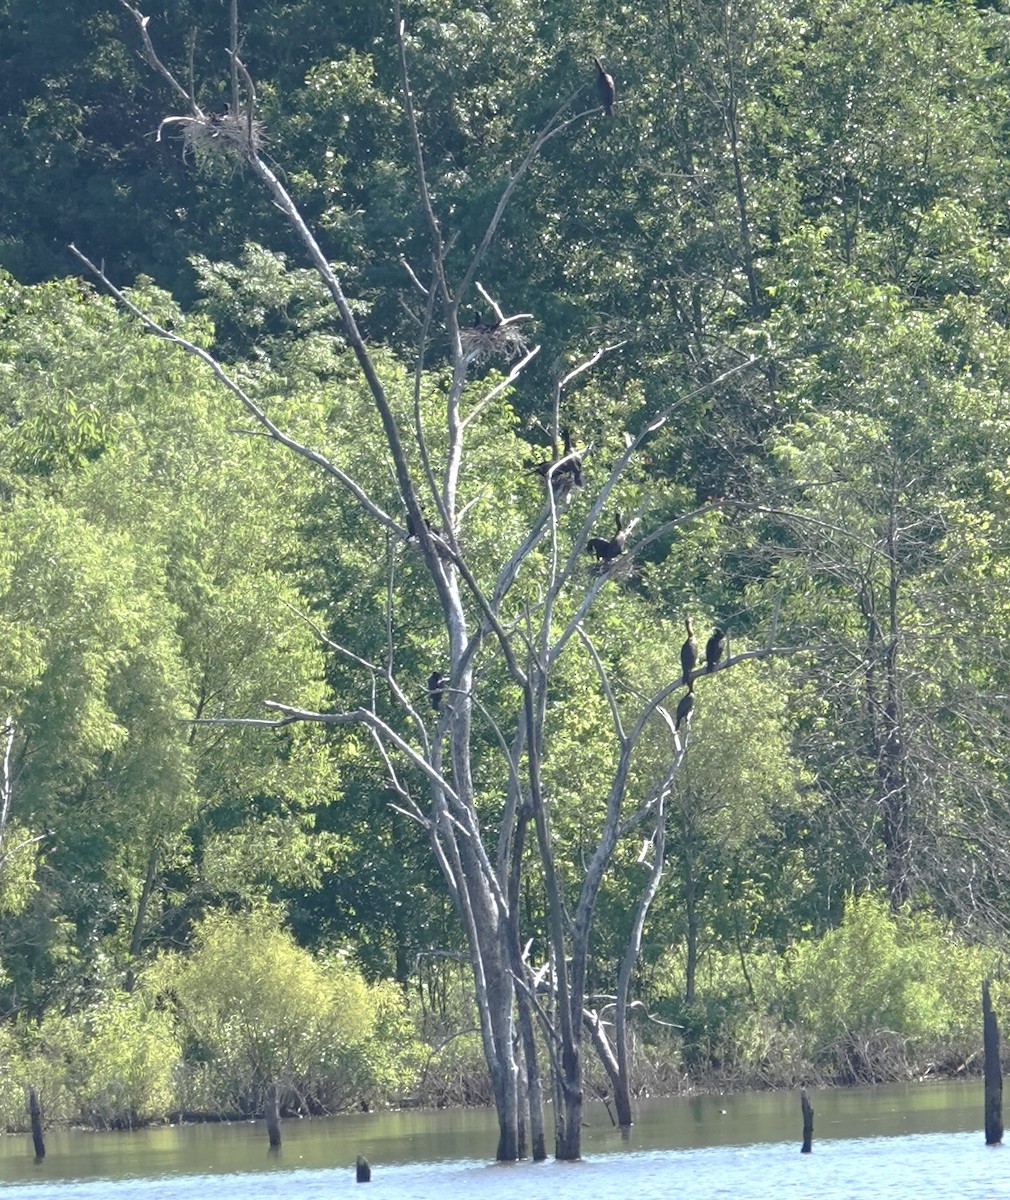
883 988
895 481
138 600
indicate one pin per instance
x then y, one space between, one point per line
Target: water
918 1142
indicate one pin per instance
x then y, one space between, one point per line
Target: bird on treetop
689 652
685 707
605 89
714 648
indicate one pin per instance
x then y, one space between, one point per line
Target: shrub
255 1009
111 1066
886 995
120 1060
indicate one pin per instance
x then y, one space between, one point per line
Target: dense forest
611 509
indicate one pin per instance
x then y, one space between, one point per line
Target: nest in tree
224 135
501 340
620 569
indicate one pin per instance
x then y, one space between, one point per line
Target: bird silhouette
436 686
689 652
607 549
714 648
685 707
605 89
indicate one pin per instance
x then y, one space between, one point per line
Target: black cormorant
689 652
572 464
685 707
567 468
605 89
436 686
412 535
482 326
714 648
607 549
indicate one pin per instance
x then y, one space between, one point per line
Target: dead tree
427 752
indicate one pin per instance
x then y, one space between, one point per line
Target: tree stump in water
35 1115
273 1118
808 1122
993 1074
363 1172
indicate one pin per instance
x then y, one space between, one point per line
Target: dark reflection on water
922 1141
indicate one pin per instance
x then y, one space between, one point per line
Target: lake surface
922 1141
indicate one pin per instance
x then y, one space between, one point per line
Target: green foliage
883 996
109 1067
255 1009
18 860
885 993
444 1014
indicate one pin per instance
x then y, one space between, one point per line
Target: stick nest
224 135
493 341
620 569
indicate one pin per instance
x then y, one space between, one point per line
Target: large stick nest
501 340
226 135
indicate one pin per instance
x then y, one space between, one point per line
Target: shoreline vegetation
883 998
430 375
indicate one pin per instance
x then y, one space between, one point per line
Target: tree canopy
764 303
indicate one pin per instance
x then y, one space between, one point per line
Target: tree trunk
808 1122
137 936
569 1099
532 1098
273 1114
622 1083
620 1079
691 917
891 761
35 1116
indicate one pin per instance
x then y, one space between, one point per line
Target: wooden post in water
273 1118
808 1122
35 1115
362 1171
993 1074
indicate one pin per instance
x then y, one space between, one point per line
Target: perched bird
607 549
714 648
412 534
436 686
572 464
685 707
689 652
567 468
482 326
605 89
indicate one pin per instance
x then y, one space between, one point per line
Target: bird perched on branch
572 464
412 534
436 686
685 707
689 652
566 468
434 532
607 549
714 648
605 89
